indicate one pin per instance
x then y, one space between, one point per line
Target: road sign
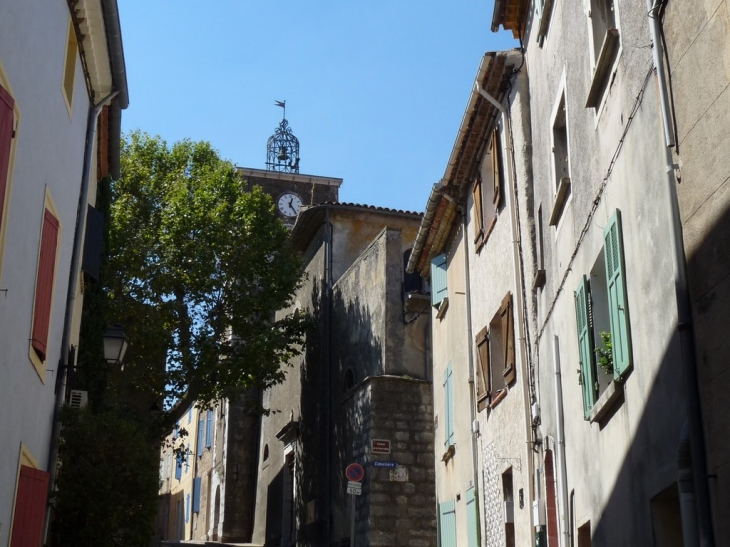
384 464
380 446
355 490
355 472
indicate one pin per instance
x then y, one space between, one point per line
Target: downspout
684 310
560 449
328 337
517 278
63 364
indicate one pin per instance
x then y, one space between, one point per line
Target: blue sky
375 91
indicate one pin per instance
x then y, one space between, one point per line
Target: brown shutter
44 284
478 212
496 171
6 136
30 507
508 339
483 380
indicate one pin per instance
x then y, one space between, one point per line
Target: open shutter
508 339
438 280
6 138
585 346
201 432
196 495
472 518
44 284
483 383
478 212
496 171
209 429
448 407
618 302
447 523
30 507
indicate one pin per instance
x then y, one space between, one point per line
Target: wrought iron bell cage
282 150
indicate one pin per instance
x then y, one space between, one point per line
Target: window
209 429
201 436
509 508
601 310
561 159
447 523
7 120
604 46
448 406
196 494
266 452
45 281
472 518
69 66
487 191
439 291
495 351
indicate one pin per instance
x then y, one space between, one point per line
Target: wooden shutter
478 212
508 339
483 379
496 171
196 495
209 429
30 507
438 280
6 138
449 406
472 518
447 523
618 302
44 284
585 346
201 432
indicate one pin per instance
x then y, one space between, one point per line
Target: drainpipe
684 311
685 482
519 304
560 449
91 121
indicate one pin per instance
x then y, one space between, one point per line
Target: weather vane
282 149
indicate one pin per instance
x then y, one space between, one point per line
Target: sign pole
352 521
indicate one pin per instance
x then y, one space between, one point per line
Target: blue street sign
384 464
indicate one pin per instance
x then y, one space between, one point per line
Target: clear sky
375 91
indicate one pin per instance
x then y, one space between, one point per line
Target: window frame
604 62
71 56
487 199
7 185
561 189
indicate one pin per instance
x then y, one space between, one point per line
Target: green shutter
618 302
472 518
448 406
447 523
438 280
585 346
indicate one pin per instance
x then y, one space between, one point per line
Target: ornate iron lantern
282 149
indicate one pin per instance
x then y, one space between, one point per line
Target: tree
197 269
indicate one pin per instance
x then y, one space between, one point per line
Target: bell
282 154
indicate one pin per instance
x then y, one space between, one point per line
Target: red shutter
30 508
44 284
6 136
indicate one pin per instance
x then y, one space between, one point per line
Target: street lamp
115 344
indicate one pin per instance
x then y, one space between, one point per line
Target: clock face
289 204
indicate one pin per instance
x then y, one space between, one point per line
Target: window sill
442 308
450 451
606 56
560 198
501 394
614 392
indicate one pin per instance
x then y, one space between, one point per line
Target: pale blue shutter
201 431
438 280
187 508
585 346
447 523
618 302
472 518
209 429
196 495
178 466
448 407
187 457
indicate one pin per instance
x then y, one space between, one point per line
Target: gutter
423 230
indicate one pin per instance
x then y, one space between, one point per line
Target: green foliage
194 257
604 355
107 481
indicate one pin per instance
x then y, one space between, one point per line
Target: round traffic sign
355 472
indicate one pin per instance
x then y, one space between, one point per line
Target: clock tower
281 179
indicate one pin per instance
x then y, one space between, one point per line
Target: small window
604 46
439 290
69 67
266 452
495 351
561 160
349 382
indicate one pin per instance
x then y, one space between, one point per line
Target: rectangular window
439 290
561 160
209 429
448 406
45 278
69 66
604 46
447 523
201 434
7 104
495 353
487 191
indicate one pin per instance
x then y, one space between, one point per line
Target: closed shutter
447 523
6 138
178 467
93 238
209 429
187 508
508 339
478 212
449 406
483 379
196 495
438 280
472 518
496 171
30 507
44 284
585 346
201 432
618 302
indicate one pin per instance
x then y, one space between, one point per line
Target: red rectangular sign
380 446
